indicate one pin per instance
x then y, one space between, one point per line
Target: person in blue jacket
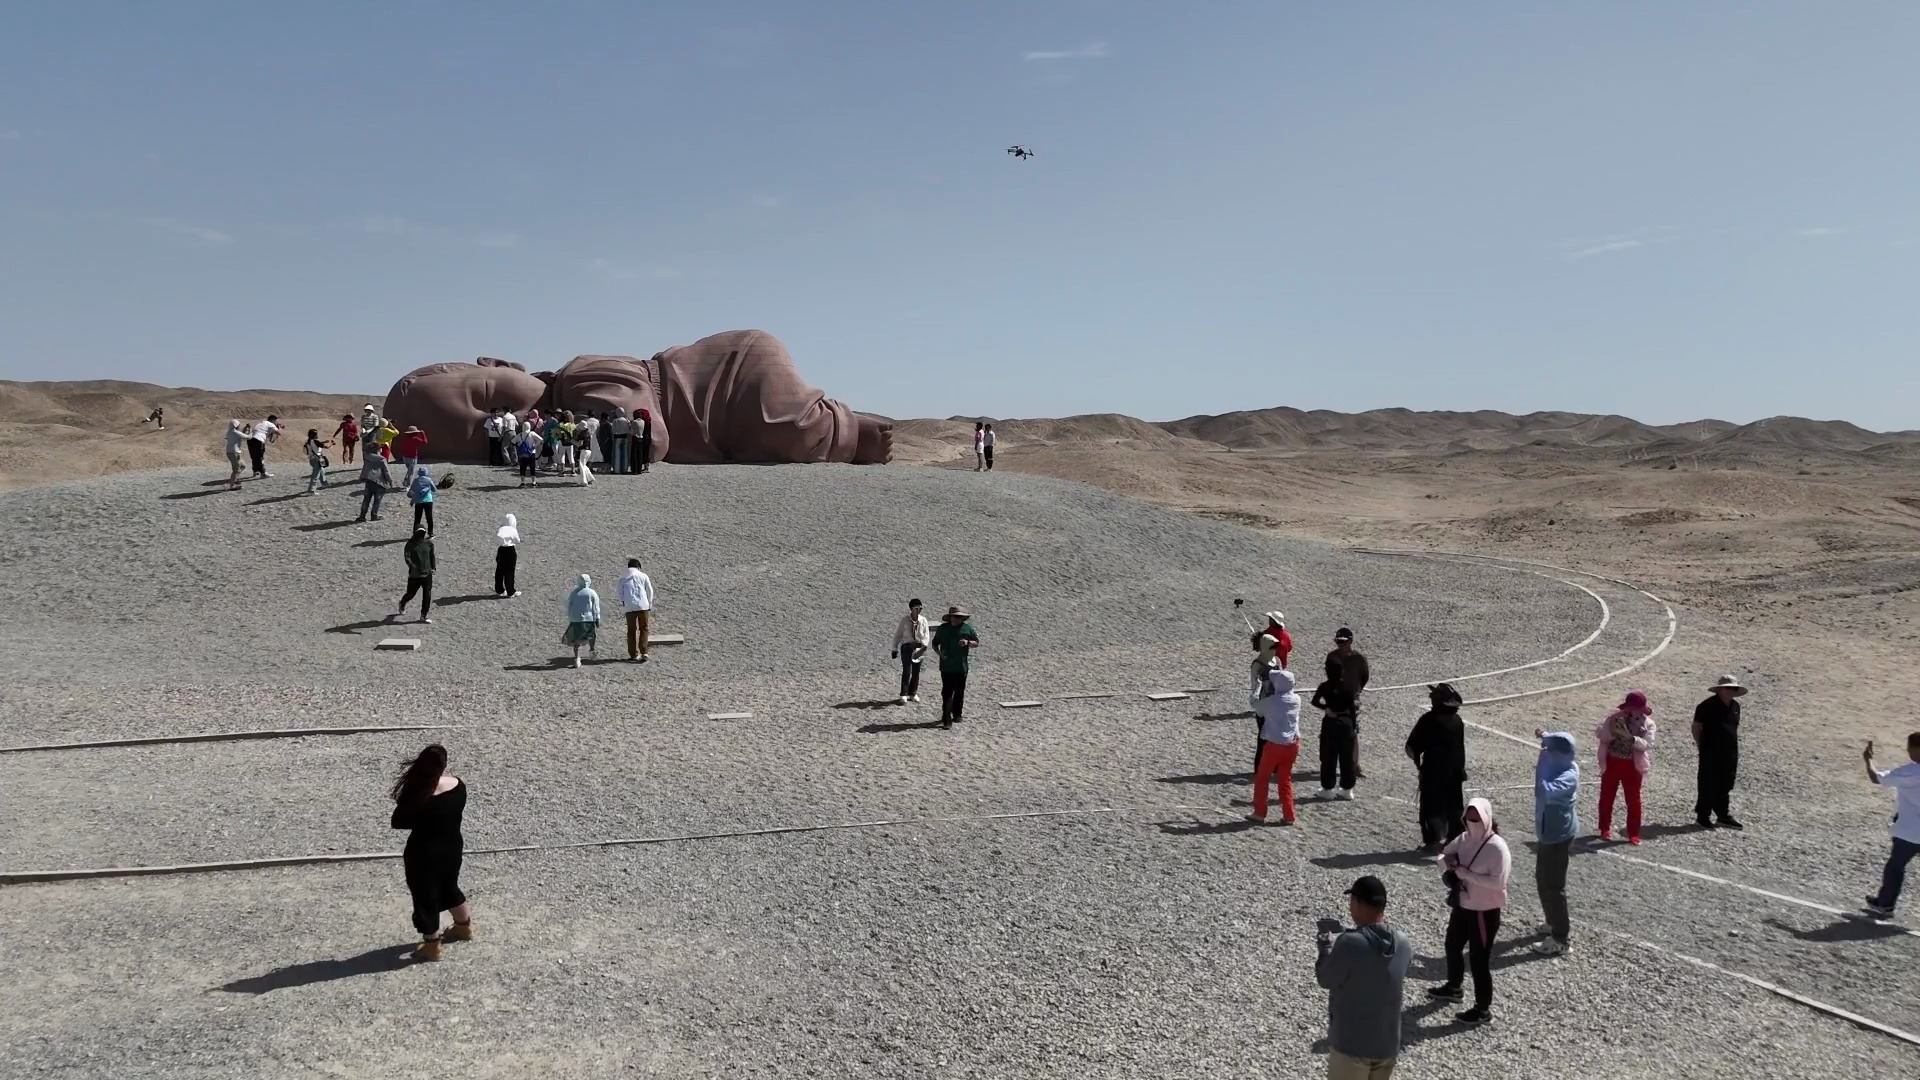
1556 789
421 490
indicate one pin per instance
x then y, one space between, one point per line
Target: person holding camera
1363 970
1476 864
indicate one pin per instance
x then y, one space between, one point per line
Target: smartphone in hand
1330 926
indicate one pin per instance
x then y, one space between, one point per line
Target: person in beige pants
636 599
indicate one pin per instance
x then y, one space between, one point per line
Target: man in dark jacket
1336 734
1364 969
1355 673
1438 747
420 567
1716 731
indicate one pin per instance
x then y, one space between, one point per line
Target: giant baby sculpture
734 396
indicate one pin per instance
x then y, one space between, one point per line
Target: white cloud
1092 50
199 235
1608 245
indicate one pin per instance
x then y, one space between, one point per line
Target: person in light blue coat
583 618
421 490
1556 790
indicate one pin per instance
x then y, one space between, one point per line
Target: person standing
528 452
348 435
954 641
563 443
1336 734
1476 865
316 449
620 439
420 490
1556 792
506 556
420 568
1355 673
1438 747
1364 971
1625 737
643 433
636 599
987 445
236 445
376 479
583 450
603 440
411 444
979 446
264 432
1905 782
1716 731
910 641
1279 712
583 619
429 802
492 427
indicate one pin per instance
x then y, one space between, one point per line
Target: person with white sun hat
1716 731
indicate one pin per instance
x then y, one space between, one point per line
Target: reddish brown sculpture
731 397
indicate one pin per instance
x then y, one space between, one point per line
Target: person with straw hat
954 641
1716 731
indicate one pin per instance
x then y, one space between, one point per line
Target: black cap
1370 891
1343 634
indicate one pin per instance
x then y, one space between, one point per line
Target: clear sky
1664 210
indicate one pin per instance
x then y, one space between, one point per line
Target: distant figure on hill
506 556
1625 739
429 801
264 432
420 567
236 446
411 444
376 478
583 619
979 446
1336 734
1905 782
910 641
1438 747
1716 731
420 490
954 642
316 448
1355 672
986 442
158 418
348 433
636 599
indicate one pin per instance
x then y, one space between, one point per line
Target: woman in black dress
429 800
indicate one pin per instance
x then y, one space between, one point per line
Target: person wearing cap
1336 734
1716 732
1905 781
1625 737
411 444
1556 821
1355 673
1363 970
954 641
1271 646
491 425
1438 747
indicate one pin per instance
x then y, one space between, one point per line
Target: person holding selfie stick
1905 781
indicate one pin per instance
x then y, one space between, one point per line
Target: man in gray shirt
1363 968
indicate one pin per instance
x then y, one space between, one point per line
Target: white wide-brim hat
1728 682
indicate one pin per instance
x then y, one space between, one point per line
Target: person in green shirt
954 640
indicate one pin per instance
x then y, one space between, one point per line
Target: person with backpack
1475 865
527 451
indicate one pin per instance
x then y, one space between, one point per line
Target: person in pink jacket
1476 864
1624 737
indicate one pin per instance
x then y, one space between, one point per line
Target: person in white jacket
910 640
636 599
1279 710
1476 864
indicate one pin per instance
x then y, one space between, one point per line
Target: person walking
420 490
1364 971
506 556
158 418
979 446
1475 866
636 599
491 425
376 479
1355 672
1624 738
1556 793
236 446
954 641
429 802
316 449
411 444
1438 747
643 434
264 432
620 439
348 435
563 443
420 568
583 450
910 641
987 446
583 619
1716 732
1336 734
528 452
1905 782
1279 712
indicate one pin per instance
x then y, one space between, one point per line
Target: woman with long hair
429 801
1476 864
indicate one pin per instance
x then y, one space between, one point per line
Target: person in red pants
1279 711
1624 736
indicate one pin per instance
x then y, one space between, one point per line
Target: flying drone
1019 151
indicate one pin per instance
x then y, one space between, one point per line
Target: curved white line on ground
225 736
1606 619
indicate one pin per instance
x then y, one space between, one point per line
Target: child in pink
1624 738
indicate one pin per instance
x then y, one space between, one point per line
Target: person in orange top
411 442
348 433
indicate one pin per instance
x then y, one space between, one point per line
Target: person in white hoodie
1279 710
636 599
506 558
1476 864
910 641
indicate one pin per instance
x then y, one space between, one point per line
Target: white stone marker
729 716
1174 696
399 644
1021 704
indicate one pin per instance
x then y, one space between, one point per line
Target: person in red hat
1624 736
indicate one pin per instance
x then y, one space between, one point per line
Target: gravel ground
1154 942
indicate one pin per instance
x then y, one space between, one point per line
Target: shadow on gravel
197 494
889 729
382 543
1209 778
371 962
356 627
1845 928
1412 1033
323 526
553 485
1207 828
888 703
452 600
1223 716
560 663
1506 954
281 498
1374 858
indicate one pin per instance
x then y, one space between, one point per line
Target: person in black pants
420 567
1716 731
643 434
1336 734
506 557
1476 867
429 802
1438 747
910 641
954 642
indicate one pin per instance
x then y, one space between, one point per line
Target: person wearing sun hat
1624 737
954 641
1716 731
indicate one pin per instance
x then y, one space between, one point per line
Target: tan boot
428 950
460 931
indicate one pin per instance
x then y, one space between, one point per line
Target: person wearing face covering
1438 747
1279 710
1556 789
1625 737
583 618
420 489
1476 865
506 557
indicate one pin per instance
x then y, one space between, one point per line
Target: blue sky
1662 210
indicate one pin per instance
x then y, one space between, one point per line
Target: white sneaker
1346 795
903 699
1549 947
915 699
576 661
1324 794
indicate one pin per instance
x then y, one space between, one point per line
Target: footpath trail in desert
1165 937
